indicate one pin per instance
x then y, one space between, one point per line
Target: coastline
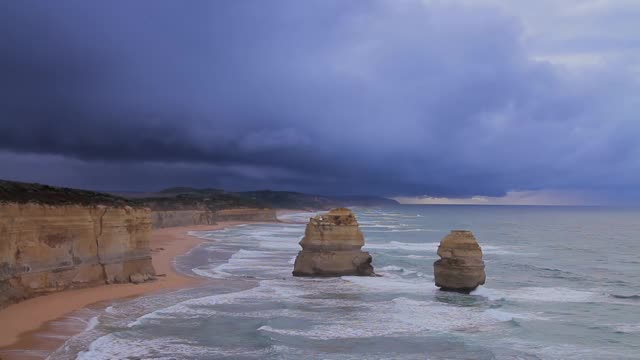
22 322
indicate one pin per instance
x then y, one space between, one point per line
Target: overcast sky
418 99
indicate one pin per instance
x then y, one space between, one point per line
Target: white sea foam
264 265
275 242
375 224
204 306
210 273
567 351
538 294
397 245
391 268
251 254
627 328
505 315
92 323
437 316
188 309
558 294
403 271
433 247
398 230
401 316
127 347
393 284
266 261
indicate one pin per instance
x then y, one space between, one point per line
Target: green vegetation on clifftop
181 198
22 193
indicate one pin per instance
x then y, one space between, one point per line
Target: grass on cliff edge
209 199
180 198
22 193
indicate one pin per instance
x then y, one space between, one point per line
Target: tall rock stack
331 247
460 267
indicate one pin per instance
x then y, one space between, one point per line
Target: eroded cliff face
331 247
47 248
173 218
266 215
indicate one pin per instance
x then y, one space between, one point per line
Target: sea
562 283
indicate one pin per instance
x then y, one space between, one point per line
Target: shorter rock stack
331 247
460 267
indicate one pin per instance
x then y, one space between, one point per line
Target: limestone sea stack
331 246
460 267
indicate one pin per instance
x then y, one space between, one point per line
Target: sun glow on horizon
540 197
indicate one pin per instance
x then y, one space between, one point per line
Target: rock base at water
333 263
460 267
331 247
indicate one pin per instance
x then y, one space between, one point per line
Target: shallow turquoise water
562 283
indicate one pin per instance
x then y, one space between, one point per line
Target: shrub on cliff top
22 193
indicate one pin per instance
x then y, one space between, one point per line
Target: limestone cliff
331 247
46 248
259 215
172 218
460 267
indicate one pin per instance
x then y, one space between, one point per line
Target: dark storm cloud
386 97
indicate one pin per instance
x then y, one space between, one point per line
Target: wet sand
22 325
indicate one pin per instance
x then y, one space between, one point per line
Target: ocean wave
121 346
393 284
400 316
392 268
549 272
626 297
211 273
418 257
397 245
503 315
204 306
539 294
374 226
92 323
169 348
255 254
278 242
399 230
433 247
627 328
403 271
566 351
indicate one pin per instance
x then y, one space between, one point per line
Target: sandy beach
21 321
